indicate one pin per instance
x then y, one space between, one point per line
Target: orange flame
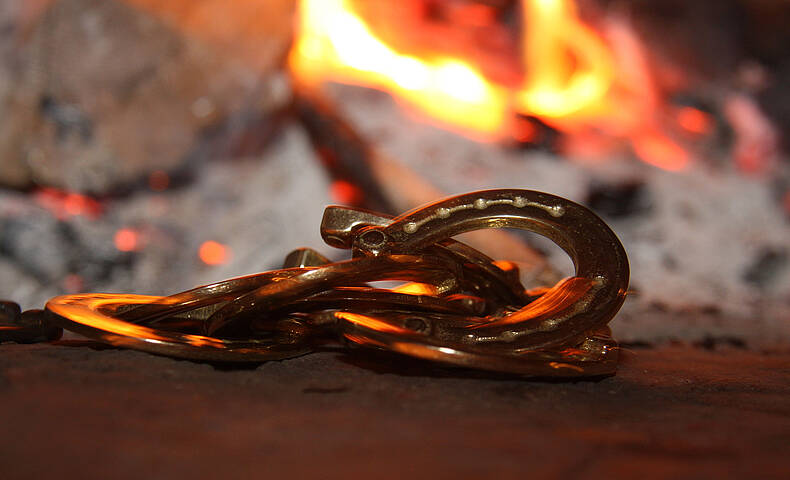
336 44
572 80
554 39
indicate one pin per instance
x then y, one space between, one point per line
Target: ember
214 253
158 180
127 240
68 204
694 120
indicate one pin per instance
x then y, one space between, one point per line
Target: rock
102 92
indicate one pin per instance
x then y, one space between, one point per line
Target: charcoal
618 200
37 242
534 133
775 100
766 266
9 312
345 155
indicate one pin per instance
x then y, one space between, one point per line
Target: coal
9 312
618 200
39 243
766 266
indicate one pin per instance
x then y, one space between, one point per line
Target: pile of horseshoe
450 303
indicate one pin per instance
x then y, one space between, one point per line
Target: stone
101 93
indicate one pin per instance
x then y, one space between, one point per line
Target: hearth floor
77 411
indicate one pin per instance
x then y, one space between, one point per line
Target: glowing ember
63 204
158 180
569 77
345 193
694 121
656 149
127 240
214 253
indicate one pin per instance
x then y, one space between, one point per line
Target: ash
260 207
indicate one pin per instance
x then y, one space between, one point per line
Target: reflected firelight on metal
458 306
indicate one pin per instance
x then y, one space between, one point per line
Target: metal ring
95 316
595 356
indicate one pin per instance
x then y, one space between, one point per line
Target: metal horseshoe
471 311
569 314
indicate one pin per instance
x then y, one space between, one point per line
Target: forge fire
186 159
153 147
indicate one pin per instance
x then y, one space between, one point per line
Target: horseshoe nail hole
415 323
373 238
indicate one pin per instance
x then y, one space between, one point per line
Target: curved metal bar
204 296
269 297
95 316
594 356
567 311
474 312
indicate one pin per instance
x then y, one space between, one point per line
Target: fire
336 44
552 31
567 75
